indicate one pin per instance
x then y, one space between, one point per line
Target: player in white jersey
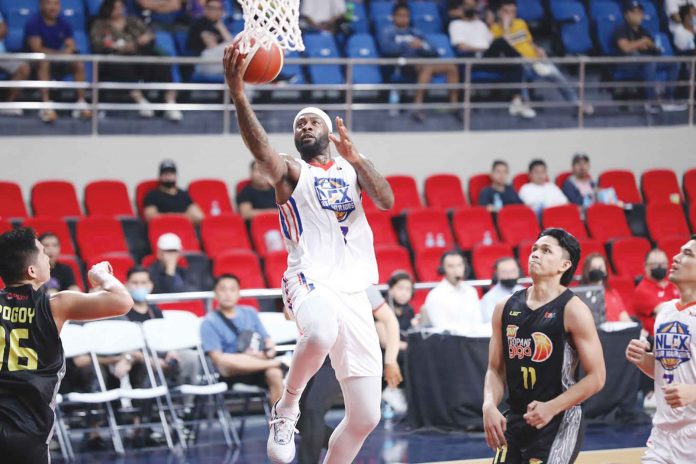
672 364
331 262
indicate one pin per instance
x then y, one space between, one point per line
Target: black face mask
659 273
168 183
470 12
596 275
508 283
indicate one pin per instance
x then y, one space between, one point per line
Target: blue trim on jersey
283 225
297 214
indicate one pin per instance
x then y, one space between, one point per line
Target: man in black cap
632 39
168 198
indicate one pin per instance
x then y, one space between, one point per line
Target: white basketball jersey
675 350
326 232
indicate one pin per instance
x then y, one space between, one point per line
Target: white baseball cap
169 242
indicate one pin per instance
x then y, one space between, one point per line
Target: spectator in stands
114 33
594 272
166 274
322 15
673 12
48 32
258 196
506 273
579 187
470 36
500 193
399 297
146 8
402 40
684 31
207 38
653 290
62 276
453 305
18 71
516 32
168 198
539 193
238 344
632 39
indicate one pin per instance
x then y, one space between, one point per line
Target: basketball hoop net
268 21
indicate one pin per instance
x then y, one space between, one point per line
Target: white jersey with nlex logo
327 235
675 362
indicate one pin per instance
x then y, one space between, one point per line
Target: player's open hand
344 145
494 424
392 375
99 272
233 66
539 414
637 352
678 395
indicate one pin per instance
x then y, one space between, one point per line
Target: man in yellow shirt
516 32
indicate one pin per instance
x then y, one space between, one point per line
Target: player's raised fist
636 351
99 272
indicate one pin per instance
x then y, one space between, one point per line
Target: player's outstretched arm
494 423
369 179
581 327
113 300
272 164
392 372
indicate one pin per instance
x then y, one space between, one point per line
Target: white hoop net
269 21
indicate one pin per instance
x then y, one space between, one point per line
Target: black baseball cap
167 166
632 5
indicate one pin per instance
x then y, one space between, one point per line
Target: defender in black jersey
540 334
31 354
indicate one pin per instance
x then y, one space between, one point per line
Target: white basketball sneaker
281 438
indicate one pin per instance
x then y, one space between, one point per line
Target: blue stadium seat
14 41
17 16
604 9
7 5
181 39
323 45
82 42
426 17
605 33
363 46
360 24
572 21
663 42
441 43
93 7
165 42
530 10
293 72
381 13
652 19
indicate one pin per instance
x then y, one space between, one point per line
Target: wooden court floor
615 456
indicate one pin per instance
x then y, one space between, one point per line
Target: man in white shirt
453 305
672 11
684 32
506 274
539 193
323 15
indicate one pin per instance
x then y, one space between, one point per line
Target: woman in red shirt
594 272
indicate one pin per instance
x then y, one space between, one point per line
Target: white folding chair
180 332
283 332
108 338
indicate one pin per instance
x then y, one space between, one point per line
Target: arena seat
519 180
242 263
561 178
274 266
141 191
222 233
628 255
589 246
322 46
470 225
5 226
607 222
666 220
672 245
426 17
55 198
362 45
98 235
178 224
42 225
197 307
107 198
381 14
660 185
428 228
261 225
207 193
12 204
240 186
74 263
517 223
567 217
689 184
483 258
574 27
623 182
427 263
392 258
369 205
444 191
382 229
531 10
625 286
405 193
477 183
692 217
120 263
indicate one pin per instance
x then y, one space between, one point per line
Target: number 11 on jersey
528 377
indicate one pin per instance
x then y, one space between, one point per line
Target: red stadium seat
483 258
418 299
427 264
405 193
240 186
524 250
562 177
370 207
519 180
689 183
477 183
628 256
470 225
98 235
120 263
391 259
141 191
177 224
567 217
444 191
71 260
672 246
211 196
666 220
660 185
517 223
623 182
625 286
12 204
196 306
107 198
588 247
274 266
42 225
382 229
224 232
5 226
261 225
242 263
607 222
692 216
55 198
428 228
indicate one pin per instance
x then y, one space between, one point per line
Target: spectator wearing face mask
168 198
653 290
594 272
506 274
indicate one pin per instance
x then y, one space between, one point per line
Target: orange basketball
262 65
